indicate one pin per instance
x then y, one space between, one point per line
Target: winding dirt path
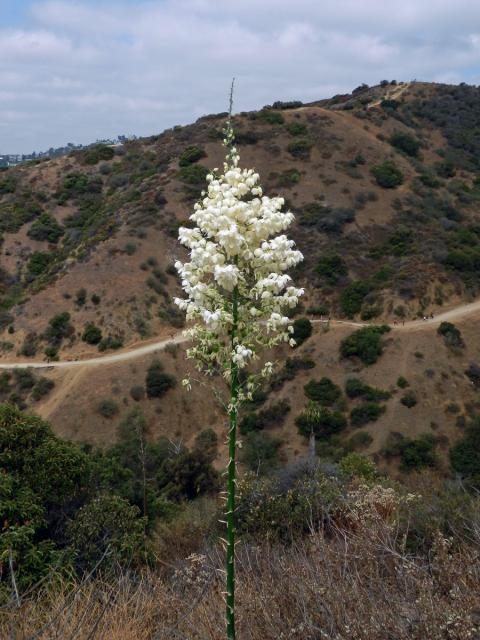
136 352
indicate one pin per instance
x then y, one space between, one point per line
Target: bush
320 421
206 443
39 262
356 388
270 117
352 297
157 382
30 345
365 413
107 408
402 382
95 299
96 153
190 155
358 466
59 328
289 178
137 392
365 344
359 440
445 169
302 330
417 454
409 399
194 174
473 372
92 334
290 370
325 392
465 454
41 388
81 297
300 149
110 342
296 128
332 268
272 415
451 335
46 228
405 142
387 175
259 452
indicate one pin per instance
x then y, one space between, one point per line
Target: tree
237 292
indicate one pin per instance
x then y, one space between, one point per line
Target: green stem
231 481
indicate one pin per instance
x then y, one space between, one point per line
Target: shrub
29 345
473 372
24 379
206 443
259 452
187 475
356 388
270 117
92 334
320 421
288 178
190 155
8 185
41 388
365 344
81 297
365 413
419 453
107 408
194 174
39 262
300 149
59 327
409 399
290 370
46 228
246 137
387 175
451 335
302 330
352 297
272 415
95 299
157 382
110 342
359 440
325 392
358 466
96 153
445 169
405 142
296 128
332 268
465 454
137 392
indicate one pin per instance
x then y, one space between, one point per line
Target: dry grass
357 583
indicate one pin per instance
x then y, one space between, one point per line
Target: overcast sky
75 71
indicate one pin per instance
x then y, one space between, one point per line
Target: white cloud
82 69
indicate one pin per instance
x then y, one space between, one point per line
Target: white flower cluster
236 273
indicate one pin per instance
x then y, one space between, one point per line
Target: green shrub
190 155
402 382
387 175
259 452
41 388
59 327
39 262
194 174
95 299
451 335
110 342
272 415
8 185
356 465
405 142
270 117
81 297
46 228
465 454
107 408
302 330
365 344
359 440
92 334
417 454
137 392
158 382
300 149
356 388
288 178
445 169
206 443
332 268
96 153
290 370
24 378
365 413
409 399
320 421
30 345
296 128
325 392
352 297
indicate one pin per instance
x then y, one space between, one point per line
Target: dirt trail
129 354
392 94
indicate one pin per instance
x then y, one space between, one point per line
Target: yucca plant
237 293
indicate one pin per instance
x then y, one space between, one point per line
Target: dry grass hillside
385 184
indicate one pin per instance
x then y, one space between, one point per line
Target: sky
81 70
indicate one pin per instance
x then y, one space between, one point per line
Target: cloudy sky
75 71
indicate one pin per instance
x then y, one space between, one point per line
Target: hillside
384 183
